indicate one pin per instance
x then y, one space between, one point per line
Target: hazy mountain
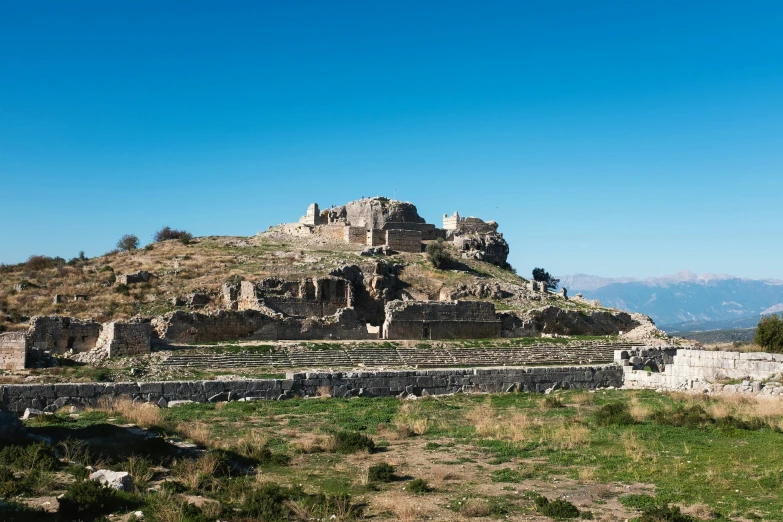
685 300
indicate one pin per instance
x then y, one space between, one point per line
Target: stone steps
538 354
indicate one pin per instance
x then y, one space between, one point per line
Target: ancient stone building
121 339
468 224
13 350
309 297
441 320
59 334
404 240
312 217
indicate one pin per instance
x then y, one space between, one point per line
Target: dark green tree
128 242
542 276
769 333
438 254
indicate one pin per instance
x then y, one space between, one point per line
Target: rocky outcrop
490 247
553 320
376 212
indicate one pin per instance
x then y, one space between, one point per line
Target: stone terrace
398 357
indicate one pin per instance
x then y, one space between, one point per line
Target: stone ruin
397 225
441 320
60 335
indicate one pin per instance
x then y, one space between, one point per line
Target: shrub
769 334
438 254
88 499
665 514
614 414
351 442
542 276
418 487
122 289
268 503
38 456
637 501
128 242
558 509
167 233
383 472
552 402
39 263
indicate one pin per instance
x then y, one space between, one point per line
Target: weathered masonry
13 351
441 320
122 339
50 397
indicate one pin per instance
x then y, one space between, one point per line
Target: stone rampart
700 369
50 397
13 350
441 320
59 334
355 235
404 240
375 237
121 339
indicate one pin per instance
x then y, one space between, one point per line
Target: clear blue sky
612 138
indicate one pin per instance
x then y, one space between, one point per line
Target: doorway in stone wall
425 331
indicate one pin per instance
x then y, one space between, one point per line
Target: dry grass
324 392
633 447
404 508
515 427
566 436
411 420
198 432
475 507
191 472
142 414
639 411
306 442
248 444
583 398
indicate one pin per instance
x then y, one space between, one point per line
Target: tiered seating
391 357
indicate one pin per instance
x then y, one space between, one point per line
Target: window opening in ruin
425 331
71 340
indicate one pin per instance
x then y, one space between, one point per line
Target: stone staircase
393 357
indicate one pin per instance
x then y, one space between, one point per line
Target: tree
542 276
769 333
438 254
167 233
128 242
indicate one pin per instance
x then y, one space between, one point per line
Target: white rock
120 480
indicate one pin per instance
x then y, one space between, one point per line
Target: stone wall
332 231
375 237
355 235
13 350
137 277
59 334
701 369
184 327
121 339
404 240
17 397
441 320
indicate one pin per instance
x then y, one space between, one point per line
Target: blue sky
612 138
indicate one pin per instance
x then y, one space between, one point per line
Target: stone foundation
50 397
441 320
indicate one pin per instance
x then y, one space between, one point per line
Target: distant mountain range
685 301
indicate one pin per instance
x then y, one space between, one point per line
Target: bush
34 457
542 276
665 514
88 499
638 501
39 263
418 487
769 334
506 475
383 472
166 233
614 414
128 242
438 254
351 442
122 288
559 508
552 402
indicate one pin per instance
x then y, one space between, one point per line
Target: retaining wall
702 369
13 350
17 397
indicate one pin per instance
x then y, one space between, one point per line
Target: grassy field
611 455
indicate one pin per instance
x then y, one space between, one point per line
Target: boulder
119 480
11 428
